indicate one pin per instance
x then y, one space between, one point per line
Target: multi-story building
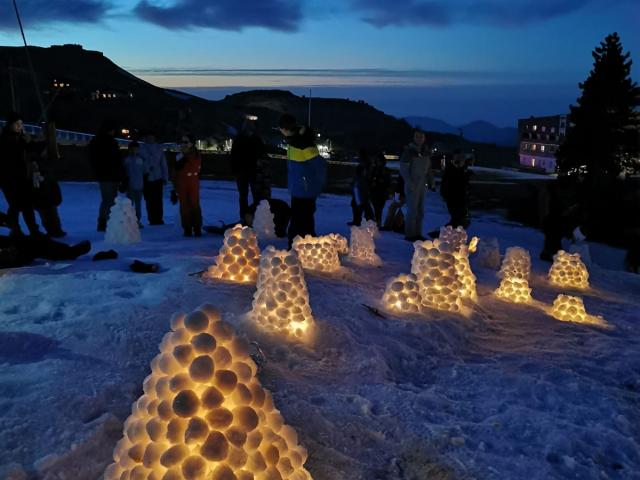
540 138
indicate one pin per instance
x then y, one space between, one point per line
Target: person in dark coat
306 176
380 190
106 160
156 175
247 152
17 176
47 194
394 220
361 190
187 182
454 189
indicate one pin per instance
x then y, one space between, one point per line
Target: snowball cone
571 309
281 302
568 271
317 253
263 223
122 226
455 236
204 413
513 289
434 265
516 264
402 294
363 248
238 258
341 243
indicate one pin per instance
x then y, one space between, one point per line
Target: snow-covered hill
508 393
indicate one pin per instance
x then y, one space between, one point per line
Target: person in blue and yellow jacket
306 176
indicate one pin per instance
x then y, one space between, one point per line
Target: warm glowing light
403 294
317 253
263 223
513 289
434 265
516 264
281 302
122 226
568 271
571 309
465 275
363 248
204 413
238 258
455 236
341 244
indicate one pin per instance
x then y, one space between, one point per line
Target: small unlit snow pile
263 222
122 226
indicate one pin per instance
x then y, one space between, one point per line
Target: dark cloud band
282 15
36 13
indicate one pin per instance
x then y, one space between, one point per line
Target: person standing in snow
47 195
361 190
394 220
380 186
105 158
415 168
454 189
156 175
187 183
247 153
17 176
134 166
306 176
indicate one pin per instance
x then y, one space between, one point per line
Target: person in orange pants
188 163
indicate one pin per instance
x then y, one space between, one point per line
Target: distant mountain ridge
477 131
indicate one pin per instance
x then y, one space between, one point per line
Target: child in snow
454 189
361 189
187 183
380 186
134 166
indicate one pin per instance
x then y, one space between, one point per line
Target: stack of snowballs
204 414
515 271
363 247
402 294
239 257
317 253
568 270
122 226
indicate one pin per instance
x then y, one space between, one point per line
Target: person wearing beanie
17 176
306 176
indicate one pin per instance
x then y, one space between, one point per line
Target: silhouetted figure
156 175
361 190
187 179
454 189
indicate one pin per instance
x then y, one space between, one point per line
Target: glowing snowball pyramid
281 302
122 226
516 264
204 414
317 253
568 271
238 258
571 309
402 294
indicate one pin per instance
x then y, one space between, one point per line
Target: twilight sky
457 60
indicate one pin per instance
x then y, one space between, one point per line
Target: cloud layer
282 15
36 13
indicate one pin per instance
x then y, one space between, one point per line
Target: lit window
553 129
544 129
542 148
534 147
535 127
533 162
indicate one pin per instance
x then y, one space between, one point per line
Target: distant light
252 118
318 135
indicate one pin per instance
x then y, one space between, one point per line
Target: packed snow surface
508 392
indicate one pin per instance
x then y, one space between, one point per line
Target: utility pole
309 119
11 87
33 72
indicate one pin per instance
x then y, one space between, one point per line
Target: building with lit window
540 138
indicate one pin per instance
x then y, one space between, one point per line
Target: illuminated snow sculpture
402 294
263 223
372 228
363 248
465 275
488 255
516 264
317 253
341 243
571 309
434 265
122 226
514 289
281 302
204 414
568 271
239 257
455 236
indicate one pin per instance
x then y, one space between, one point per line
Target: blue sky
457 60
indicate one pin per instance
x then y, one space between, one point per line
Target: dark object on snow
374 310
105 255
454 189
19 251
4 220
258 356
218 229
141 267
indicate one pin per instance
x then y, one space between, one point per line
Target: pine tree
604 131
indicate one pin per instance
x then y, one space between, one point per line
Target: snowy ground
508 393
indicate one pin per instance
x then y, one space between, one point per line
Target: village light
204 413
568 270
317 253
238 258
281 302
